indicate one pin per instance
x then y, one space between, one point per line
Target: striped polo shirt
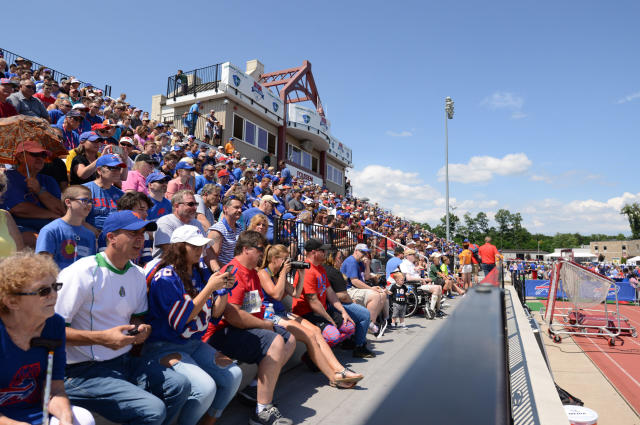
229 238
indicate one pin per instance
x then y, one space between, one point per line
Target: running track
620 363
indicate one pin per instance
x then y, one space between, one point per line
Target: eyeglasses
38 155
30 87
258 248
43 292
85 201
76 118
189 204
129 145
66 105
114 168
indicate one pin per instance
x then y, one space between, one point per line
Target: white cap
189 234
362 247
308 201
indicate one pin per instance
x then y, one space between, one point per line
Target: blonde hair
273 251
22 268
257 219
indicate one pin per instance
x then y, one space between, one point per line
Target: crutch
50 345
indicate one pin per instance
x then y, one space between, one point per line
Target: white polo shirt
96 296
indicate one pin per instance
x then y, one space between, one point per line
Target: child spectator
66 239
398 299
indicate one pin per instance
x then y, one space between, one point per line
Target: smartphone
133 332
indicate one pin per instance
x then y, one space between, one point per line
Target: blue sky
547 93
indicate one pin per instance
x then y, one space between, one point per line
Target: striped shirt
229 238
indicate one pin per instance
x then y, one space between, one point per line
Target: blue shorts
246 345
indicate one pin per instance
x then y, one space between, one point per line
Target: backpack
474 252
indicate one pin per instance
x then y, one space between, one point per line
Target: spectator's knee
170 359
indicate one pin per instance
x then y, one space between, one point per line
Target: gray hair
178 197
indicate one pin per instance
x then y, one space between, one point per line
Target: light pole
448 109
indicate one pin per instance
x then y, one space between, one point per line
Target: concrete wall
613 250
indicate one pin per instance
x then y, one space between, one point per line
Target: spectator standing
192 117
135 118
183 290
157 185
226 231
475 261
184 207
285 174
103 191
182 180
102 301
6 89
28 291
66 239
245 335
25 103
398 292
466 268
211 121
229 148
32 198
182 82
488 254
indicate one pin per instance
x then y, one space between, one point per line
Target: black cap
316 244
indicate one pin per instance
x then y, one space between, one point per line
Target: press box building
271 116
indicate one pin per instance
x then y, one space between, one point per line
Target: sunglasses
30 87
129 145
258 248
189 204
43 292
38 155
85 201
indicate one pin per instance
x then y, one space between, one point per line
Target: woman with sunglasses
83 164
28 293
183 298
273 278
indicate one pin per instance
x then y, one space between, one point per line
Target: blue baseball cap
183 165
176 148
110 160
156 177
126 220
91 136
466 240
288 216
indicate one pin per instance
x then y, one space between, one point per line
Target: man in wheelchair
425 285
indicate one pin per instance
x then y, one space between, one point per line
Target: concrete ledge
545 403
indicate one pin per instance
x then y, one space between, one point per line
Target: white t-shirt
166 225
96 296
409 270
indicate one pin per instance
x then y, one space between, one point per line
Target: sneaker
269 416
403 326
440 314
382 329
373 328
429 314
249 394
363 352
392 326
450 296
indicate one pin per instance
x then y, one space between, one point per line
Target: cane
50 345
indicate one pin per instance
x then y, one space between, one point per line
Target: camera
298 265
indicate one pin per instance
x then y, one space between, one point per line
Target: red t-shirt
488 253
7 110
315 282
46 100
248 281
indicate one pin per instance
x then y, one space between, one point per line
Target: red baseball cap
30 146
223 173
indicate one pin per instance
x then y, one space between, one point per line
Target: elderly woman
28 293
183 298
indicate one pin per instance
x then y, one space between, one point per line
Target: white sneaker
382 329
403 326
373 328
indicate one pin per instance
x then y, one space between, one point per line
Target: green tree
482 223
503 218
632 211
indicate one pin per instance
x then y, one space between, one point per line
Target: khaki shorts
475 269
360 296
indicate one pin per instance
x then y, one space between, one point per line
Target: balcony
306 124
185 87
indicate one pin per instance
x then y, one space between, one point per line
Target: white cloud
407 195
404 133
481 169
541 178
506 100
629 97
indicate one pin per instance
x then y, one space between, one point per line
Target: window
302 158
334 175
624 247
315 164
262 139
271 143
295 155
604 248
238 127
306 160
595 247
250 132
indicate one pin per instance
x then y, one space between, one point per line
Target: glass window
314 164
295 155
306 160
250 132
262 139
238 127
271 143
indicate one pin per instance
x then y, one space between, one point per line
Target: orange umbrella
19 128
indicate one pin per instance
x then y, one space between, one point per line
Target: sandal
346 381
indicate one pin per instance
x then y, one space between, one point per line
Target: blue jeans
212 386
127 389
486 268
361 317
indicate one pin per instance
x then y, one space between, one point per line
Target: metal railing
194 82
11 57
294 234
180 123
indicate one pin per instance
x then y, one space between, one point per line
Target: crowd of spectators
161 252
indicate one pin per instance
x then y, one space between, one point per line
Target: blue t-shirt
22 375
17 189
55 114
97 119
159 209
104 203
392 265
65 242
285 174
201 181
237 173
193 155
246 217
257 191
280 207
70 139
352 269
83 127
170 306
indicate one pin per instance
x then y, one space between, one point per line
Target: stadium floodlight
448 109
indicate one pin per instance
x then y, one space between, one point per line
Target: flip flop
346 379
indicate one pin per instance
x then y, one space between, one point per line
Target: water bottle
269 313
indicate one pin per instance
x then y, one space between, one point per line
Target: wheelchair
418 300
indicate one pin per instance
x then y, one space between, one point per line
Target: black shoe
363 352
306 359
269 416
348 344
249 395
440 314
